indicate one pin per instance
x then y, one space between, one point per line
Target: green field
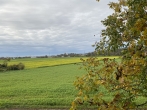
48 87
38 88
45 62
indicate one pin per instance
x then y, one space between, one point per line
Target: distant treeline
89 54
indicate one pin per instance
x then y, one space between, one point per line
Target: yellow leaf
121 80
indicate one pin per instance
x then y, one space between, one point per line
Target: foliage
125 29
3 67
6 67
19 66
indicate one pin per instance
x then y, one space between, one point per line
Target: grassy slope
37 88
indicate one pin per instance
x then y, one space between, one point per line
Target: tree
125 80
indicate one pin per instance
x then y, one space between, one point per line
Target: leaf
124 79
121 80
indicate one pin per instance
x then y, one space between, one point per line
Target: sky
50 27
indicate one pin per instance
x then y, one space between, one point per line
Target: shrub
3 67
19 66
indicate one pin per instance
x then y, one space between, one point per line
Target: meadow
39 88
45 83
47 62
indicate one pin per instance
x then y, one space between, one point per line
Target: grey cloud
39 26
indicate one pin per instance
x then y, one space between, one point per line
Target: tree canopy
124 80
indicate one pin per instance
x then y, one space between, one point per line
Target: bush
19 66
3 67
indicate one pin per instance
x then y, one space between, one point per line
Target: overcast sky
48 27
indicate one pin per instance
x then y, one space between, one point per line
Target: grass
45 62
50 87
41 87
